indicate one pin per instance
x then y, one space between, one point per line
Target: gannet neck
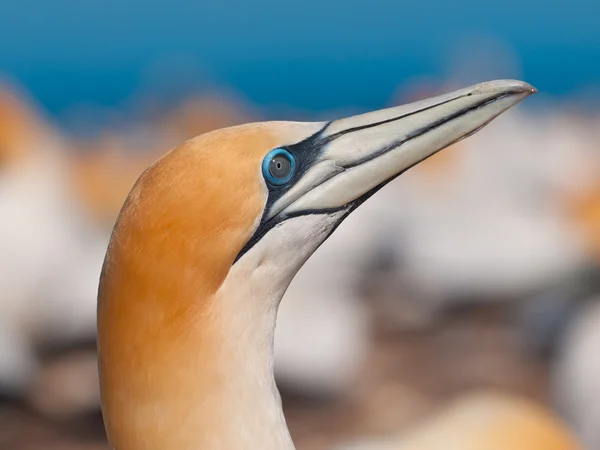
198 370
212 387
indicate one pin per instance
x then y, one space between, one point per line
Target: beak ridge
371 149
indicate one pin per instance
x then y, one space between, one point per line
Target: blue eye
278 166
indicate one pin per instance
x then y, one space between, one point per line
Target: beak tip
523 87
529 88
504 86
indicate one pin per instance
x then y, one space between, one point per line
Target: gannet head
209 239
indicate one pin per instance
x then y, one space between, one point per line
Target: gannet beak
356 156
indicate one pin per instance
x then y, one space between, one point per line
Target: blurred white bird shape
51 256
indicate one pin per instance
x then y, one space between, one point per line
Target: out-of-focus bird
502 222
576 373
481 421
562 324
206 245
51 254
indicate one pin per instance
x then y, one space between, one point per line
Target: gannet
206 244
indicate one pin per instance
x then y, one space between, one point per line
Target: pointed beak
358 155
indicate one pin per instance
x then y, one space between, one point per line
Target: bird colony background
464 296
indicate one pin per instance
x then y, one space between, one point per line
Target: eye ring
278 166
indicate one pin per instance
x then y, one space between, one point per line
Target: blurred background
458 307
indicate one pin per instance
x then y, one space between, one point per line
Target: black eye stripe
305 153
